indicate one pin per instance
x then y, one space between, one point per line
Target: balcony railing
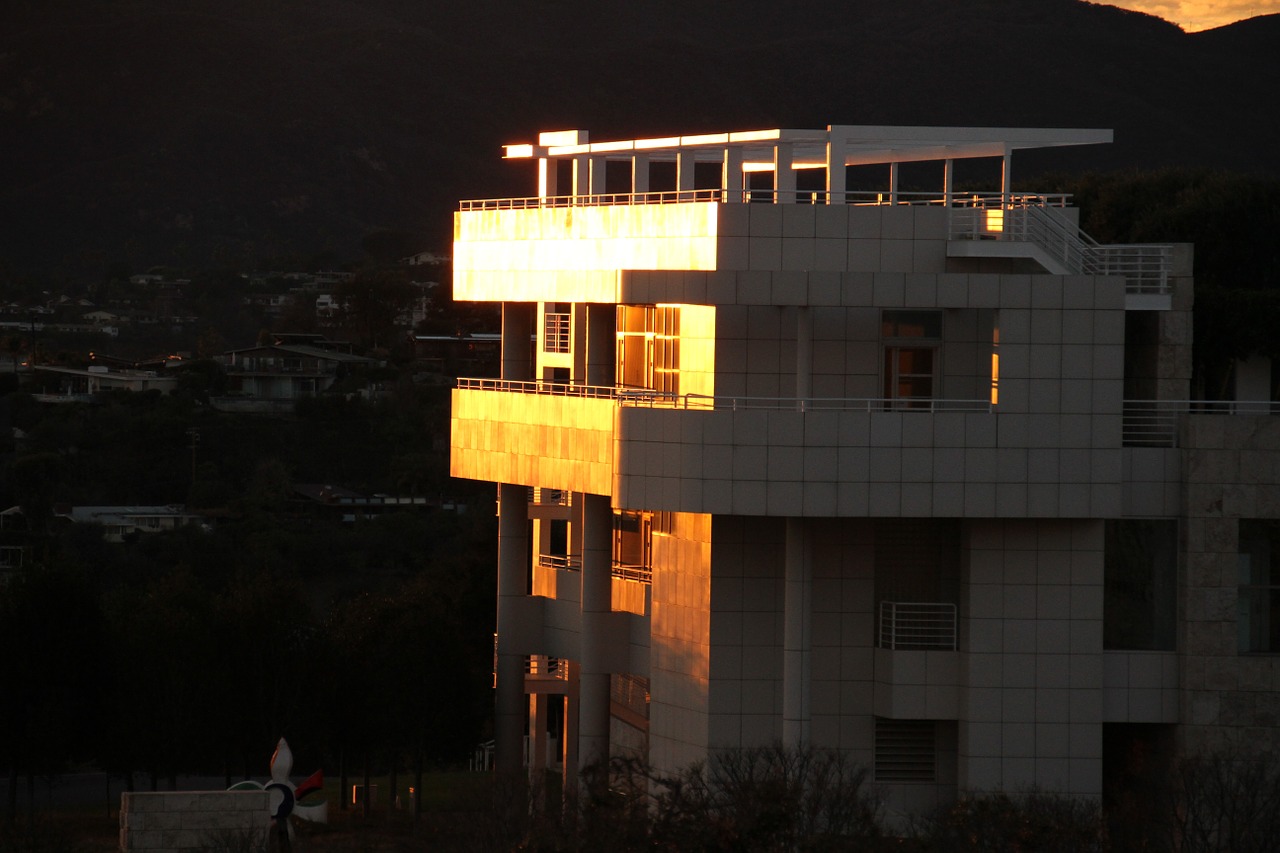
561 562
917 625
1154 423
639 574
550 497
543 666
643 397
861 198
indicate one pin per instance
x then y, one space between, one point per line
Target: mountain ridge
236 132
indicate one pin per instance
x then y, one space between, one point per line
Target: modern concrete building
914 475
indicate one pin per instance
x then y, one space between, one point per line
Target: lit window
911 353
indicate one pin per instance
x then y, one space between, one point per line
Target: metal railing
747 196
626 572
1145 267
642 397
917 625
1154 423
545 666
561 562
630 691
550 497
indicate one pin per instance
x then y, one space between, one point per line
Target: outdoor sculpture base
190 821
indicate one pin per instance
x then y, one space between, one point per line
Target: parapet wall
189 821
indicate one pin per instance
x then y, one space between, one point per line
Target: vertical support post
1006 178
569 737
639 173
513 574
597 168
684 174
796 635
597 582
893 183
581 175
784 177
731 175
835 170
538 712
948 181
546 177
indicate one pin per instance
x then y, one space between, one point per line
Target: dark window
1258 568
1140 576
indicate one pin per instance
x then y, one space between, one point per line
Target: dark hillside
240 131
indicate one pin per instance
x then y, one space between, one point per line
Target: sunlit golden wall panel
680 643
555 442
488 243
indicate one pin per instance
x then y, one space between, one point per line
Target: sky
1194 15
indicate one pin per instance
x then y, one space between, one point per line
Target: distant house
72 384
101 318
348 504
285 374
121 523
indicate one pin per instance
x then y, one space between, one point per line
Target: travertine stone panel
680 644
1232 470
1031 659
533 440
191 821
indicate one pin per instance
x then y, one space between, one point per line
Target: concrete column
597 582
948 181
835 172
1006 177
601 343
796 636
569 737
598 166
784 177
804 355
893 183
581 175
546 177
517 332
538 713
685 171
639 173
513 580
731 175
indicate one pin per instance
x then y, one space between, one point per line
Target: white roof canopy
857 144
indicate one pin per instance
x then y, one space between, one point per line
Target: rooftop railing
986 200
1145 267
645 398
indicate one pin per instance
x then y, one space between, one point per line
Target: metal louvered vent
906 751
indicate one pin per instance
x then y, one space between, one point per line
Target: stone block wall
1230 699
189 821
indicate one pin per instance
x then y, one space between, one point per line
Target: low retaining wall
189 821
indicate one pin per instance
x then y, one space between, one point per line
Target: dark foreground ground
80 813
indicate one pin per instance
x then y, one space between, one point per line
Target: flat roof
861 144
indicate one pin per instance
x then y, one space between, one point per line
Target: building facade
915 475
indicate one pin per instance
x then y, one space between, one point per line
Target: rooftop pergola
783 151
